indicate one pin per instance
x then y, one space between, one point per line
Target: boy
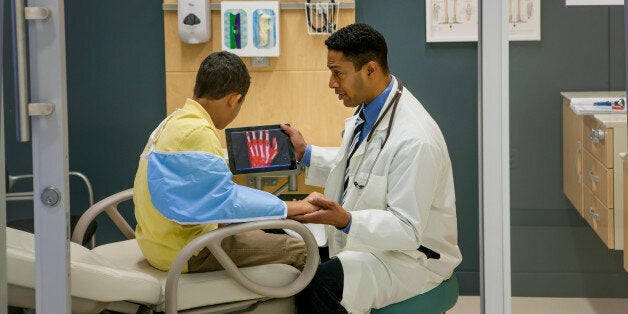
183 188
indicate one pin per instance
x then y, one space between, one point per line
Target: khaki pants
251 249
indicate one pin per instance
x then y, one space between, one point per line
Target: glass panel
566 178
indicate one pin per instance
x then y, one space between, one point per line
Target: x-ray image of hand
261 153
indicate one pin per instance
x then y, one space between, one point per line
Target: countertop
609 120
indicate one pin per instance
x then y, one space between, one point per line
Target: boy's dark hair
221 73
360 44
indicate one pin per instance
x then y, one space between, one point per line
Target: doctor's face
348 84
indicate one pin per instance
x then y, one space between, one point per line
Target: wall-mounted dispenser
194 21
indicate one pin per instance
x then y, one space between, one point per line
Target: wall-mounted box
250 28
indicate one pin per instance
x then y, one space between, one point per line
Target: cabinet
593 179
572 156
625 210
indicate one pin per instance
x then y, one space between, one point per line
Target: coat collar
347 134
383 125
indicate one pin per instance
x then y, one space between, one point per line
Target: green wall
116 95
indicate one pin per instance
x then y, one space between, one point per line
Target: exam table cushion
28 225
93 276
199 289
119 272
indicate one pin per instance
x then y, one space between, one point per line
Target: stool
435 301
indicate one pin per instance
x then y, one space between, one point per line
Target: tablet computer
261 148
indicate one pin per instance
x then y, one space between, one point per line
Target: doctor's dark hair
221 73
360 44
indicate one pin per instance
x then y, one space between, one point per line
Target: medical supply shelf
592 166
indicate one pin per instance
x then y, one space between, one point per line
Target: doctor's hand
331 212
296 139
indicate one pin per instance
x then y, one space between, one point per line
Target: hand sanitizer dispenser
194 21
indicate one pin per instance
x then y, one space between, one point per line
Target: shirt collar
195 107
372 109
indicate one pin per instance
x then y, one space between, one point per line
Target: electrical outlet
260 61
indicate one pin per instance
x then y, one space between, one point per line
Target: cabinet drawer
598 179
598 140
599 217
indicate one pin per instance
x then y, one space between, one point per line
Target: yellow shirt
190 129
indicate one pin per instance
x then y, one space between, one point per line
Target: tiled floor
471 305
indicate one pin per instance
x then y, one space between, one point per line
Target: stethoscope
393 104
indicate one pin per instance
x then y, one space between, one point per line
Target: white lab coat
408 201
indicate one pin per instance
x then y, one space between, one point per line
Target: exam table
28 224
116 276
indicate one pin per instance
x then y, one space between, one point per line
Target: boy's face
228 110
235 109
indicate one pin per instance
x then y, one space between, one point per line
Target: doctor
389 202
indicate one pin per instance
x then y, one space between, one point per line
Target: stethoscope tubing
393 107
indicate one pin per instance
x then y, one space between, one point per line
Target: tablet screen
259 149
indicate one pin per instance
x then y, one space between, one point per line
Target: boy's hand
300 207
330 213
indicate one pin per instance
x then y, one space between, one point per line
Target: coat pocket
373 193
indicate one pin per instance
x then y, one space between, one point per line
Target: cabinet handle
593 215
593 177
597 135
577 162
